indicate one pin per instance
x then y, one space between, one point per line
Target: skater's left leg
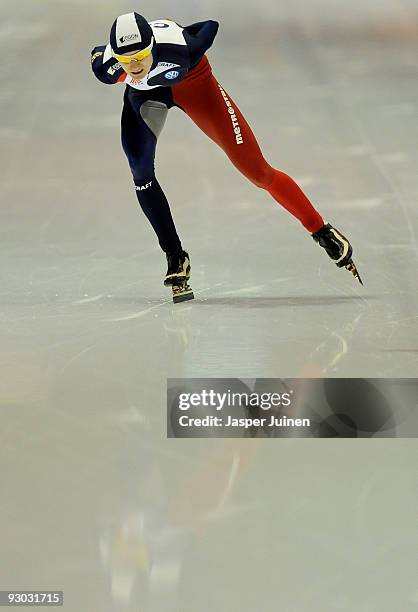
213 110
141 123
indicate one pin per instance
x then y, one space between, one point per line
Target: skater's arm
203 28
105 67
199 37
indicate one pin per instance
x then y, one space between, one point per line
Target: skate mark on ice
208 288
363 202
342 352
75 357
141 313
254 288
88 300
375 157
306 181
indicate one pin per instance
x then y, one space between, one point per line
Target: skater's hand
108 71
96 53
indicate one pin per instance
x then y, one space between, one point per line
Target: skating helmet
131 32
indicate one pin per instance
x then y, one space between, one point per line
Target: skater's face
138 69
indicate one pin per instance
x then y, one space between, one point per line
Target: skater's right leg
213 110
218 116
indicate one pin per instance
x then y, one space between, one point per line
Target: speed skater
164 64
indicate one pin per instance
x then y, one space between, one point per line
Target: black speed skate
178 274
338 248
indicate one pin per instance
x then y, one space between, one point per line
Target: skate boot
178 274
338 248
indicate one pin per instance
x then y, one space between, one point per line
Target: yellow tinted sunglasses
127 59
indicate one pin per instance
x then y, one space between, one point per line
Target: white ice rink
95 500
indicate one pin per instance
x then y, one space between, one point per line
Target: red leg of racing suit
214 111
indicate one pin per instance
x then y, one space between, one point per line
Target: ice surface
95 500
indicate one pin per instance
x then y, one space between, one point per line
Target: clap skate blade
182 292
351 267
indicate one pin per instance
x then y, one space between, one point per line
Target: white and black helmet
131 32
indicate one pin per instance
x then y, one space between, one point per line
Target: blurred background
94 499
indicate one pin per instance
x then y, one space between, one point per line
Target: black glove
107 72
